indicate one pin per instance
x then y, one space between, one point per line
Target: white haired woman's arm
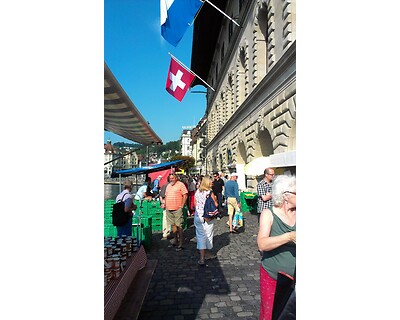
266 242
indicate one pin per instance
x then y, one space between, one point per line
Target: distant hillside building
114 159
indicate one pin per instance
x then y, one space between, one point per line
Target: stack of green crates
155 211
145 229
109 228
145 226
151 208
185 215
141 209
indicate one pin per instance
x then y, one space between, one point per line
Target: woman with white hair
277 240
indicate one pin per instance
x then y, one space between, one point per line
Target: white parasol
257 166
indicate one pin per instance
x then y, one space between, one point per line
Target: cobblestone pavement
227 288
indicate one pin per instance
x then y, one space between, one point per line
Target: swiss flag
179 80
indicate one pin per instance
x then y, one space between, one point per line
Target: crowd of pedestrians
276 209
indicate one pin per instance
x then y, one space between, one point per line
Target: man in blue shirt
156 185
233 199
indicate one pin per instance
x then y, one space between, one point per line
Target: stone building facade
199 143
252 112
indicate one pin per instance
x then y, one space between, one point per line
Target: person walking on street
217 188
175 198
223 177
156 185
276 240
233 199
264 191
204 227
166 227
129 206
191 191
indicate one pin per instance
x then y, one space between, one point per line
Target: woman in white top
204 227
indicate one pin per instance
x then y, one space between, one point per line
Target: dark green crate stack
145 229
109 228
248 201
153 209
156 213
185 215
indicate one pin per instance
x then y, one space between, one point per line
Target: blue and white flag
176 16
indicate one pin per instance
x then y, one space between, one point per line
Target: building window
229 156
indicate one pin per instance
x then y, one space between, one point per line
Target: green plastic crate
156 224
143 208
146 236
108 220
108 203
145 221
153 205
185 214
108 206
156 220
155 212
110 230
248 201
156 227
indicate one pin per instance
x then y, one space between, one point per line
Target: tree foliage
188 164
171 147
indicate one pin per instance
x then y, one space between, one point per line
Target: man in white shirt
144 191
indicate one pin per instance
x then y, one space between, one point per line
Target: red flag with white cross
179 80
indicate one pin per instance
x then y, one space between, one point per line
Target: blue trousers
125 229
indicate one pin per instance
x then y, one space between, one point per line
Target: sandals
201 263
233 231
179 249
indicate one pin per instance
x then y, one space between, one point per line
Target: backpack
119 216
210 209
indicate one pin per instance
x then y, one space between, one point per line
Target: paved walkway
227 288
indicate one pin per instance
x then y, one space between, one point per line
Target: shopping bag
239 219
235 221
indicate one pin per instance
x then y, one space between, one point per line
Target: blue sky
137 55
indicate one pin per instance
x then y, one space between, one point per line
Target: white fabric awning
121 116
284 159
257 166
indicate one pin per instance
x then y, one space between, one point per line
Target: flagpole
191 72
197 13
223 13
